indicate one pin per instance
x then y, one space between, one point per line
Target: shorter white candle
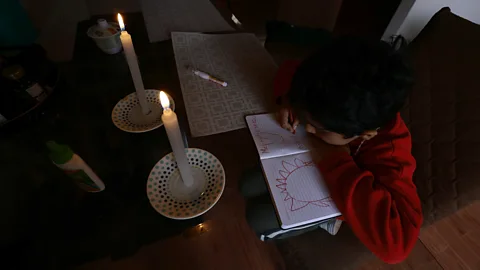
170 122
129 50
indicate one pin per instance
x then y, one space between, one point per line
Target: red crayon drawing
267 139
270 139
299 197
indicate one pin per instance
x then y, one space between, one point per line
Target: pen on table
209 77
291 120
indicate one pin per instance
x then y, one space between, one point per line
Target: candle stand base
127 114
171 198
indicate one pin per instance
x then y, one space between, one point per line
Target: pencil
207 76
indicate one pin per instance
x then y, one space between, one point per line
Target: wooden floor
226 242
452 243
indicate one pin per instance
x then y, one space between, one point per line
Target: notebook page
272 140
298 190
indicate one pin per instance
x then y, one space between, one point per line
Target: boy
349 95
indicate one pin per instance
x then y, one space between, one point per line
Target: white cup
106 36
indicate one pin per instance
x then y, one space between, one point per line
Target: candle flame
164 100
120 22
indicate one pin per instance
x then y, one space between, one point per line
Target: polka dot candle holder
127 114
171 198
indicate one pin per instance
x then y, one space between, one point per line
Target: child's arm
379 201
281 86
283 78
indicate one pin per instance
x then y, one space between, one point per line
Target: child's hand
287 120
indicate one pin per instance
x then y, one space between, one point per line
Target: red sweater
373 190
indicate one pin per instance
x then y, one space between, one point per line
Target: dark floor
227 243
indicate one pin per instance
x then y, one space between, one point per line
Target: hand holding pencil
287 119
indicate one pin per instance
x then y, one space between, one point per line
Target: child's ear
367 135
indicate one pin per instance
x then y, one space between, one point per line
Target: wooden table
57 224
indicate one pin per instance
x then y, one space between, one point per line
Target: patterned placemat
238 59
162 17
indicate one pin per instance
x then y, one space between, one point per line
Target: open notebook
296 185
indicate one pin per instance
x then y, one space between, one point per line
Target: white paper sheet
272 140
298 190
162 17
238 59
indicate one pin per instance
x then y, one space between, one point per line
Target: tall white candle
129 50
170 122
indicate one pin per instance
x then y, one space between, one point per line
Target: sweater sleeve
283 78
378 199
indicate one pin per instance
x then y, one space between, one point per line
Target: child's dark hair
352 85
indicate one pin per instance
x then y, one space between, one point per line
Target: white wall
412 15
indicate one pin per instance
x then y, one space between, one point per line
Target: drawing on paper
267 139
300 144
296 199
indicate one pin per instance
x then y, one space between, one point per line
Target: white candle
170 122
133 66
